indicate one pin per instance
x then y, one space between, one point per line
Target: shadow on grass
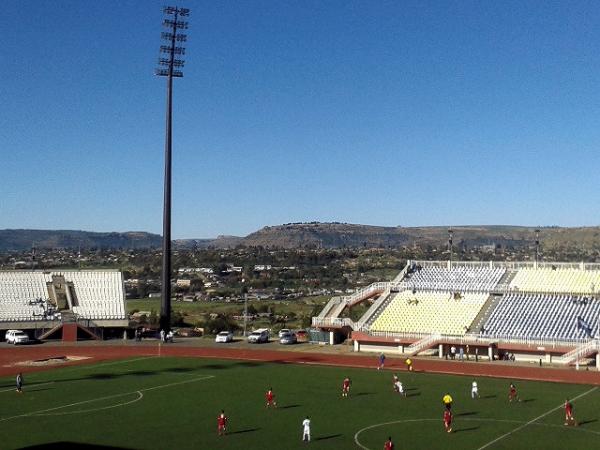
329 436
179 370
102 376
215 366
360 394
71 446
588 421
249 363
142 373
247 430
488 396
470 413
466 429
527 400
413 394
289 406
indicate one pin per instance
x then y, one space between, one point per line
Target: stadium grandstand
63 304
546 312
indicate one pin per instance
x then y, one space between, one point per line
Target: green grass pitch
172 403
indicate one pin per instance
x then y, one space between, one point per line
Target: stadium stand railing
330 304
333 322
581 351
422 344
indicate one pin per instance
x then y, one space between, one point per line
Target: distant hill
335 235
24 239
315 234
219 242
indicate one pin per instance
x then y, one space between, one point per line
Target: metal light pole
245 307
450 232
170 69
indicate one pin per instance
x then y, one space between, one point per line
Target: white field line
541 416
377 425
356 440
28 386
33 413
111 363
79 411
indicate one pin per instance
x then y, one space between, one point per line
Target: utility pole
245 305
170 68
32 255
450 233
537 247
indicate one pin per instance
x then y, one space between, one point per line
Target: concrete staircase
484 313
422 344
581 351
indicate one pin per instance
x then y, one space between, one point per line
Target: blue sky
384 113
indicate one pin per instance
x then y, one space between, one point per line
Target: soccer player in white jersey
400 388
474 390
306 429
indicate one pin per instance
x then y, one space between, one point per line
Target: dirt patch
52 361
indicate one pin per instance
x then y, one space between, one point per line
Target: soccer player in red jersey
569 419
346 387
270 398
448 420
222 423
512 393
389 445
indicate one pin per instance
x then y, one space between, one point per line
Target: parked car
288 339
302 335
224 336
258 336
16 337
284 331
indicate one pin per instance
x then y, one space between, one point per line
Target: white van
16 337
260 335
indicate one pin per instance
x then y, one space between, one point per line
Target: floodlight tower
170 67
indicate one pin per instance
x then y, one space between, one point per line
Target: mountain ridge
312 234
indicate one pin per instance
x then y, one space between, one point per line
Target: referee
447 401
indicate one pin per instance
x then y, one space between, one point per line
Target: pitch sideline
162 386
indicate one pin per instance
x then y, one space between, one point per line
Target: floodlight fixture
175 50
169 67
177 24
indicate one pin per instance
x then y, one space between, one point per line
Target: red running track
10 357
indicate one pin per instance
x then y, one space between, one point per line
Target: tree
153 318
